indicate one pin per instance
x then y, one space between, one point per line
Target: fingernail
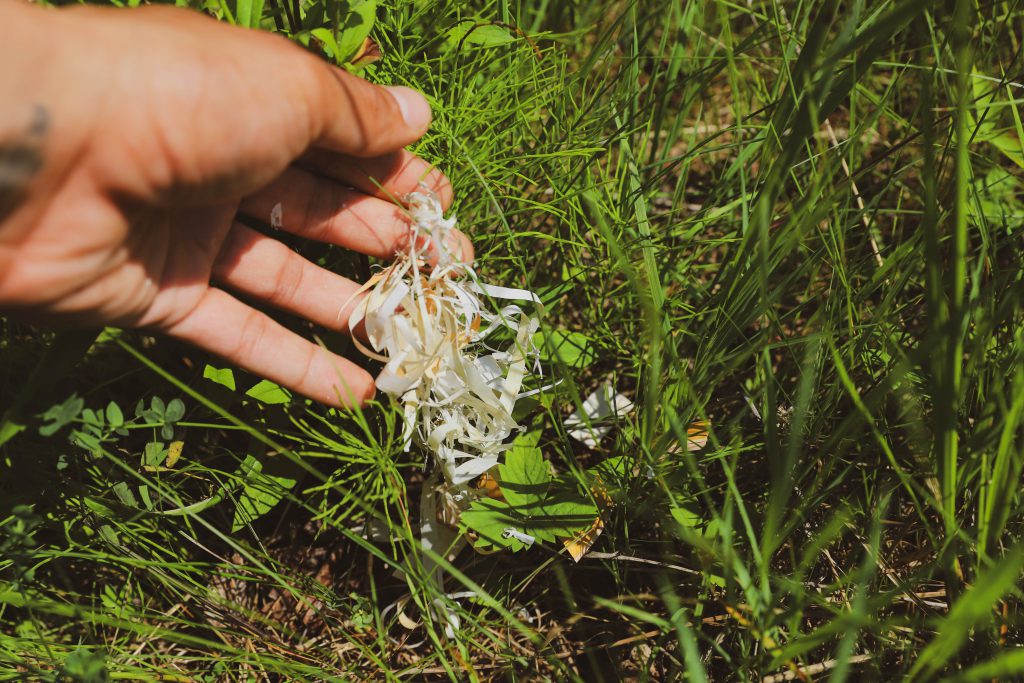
414 107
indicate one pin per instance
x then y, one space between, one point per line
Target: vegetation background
798 221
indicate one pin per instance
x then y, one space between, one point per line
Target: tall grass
797 221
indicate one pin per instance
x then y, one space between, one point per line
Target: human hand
130 141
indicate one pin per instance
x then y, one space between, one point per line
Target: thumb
352 116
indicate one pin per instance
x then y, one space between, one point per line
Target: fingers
320 209
245 337
267 270
390 176
230 108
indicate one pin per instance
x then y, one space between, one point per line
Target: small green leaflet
125 494
153 454
115 418
175 411
222 376
269 393
262 491
60 415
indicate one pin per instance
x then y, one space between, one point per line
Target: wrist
39 118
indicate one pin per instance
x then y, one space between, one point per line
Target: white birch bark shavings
432 331
430 328
593 424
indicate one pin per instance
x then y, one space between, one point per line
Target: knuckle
320 208
304 375
250 337
288 278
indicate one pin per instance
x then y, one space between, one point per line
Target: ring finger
265 269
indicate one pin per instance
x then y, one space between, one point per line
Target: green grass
799 221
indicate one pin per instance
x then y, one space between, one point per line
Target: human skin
131 141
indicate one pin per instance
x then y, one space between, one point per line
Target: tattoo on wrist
21 158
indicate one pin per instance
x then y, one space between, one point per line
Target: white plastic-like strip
472 469
498 292
524 538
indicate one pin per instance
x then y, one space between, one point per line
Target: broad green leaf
561 515
222 376
356 28
86 440
526 441
489 518
85 666
480 33
9 429
524 477
1010 146
572 348
98 507
326 36
314 15
250 467
558 516
108 534
530 505
269 393
91 417
611 470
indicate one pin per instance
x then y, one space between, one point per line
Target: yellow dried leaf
174 452
697 435
405 621
488 486
580 544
